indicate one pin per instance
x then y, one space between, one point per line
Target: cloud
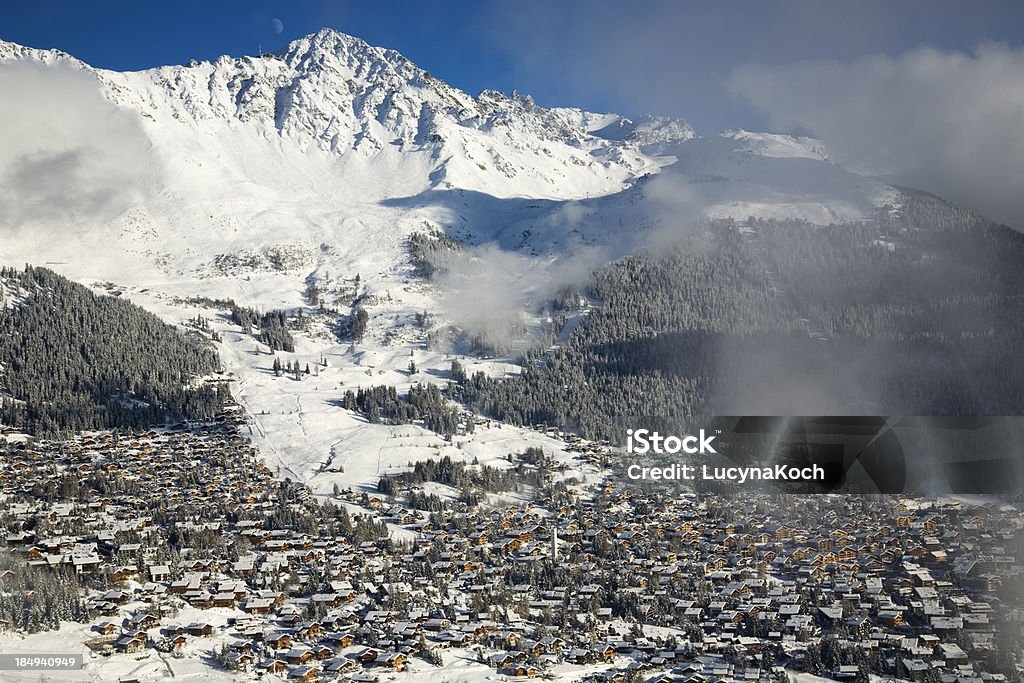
278 25
66 154
673 56
488 291
946 122
632 58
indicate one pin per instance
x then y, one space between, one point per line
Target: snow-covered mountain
331 151
254 178
337 94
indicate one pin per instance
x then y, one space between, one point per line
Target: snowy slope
333 146
249 177
330 151
740 174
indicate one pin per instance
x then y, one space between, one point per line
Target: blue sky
671 58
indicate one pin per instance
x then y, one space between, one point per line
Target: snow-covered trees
423 402
917 312
38 599
357 324
73 360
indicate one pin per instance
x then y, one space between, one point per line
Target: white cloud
487 290
65 152
948 122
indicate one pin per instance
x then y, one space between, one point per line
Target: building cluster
183 542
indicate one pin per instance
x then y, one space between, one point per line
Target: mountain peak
329 46
328 33
328 40
336 93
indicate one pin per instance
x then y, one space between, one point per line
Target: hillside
71 360
299 185
915 313
329 153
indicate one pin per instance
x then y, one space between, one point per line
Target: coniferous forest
918 312
71 360
423 402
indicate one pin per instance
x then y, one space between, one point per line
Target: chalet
454 639
890 618
145 621
258 605
159 573
274 666
122 573
393 660
830 616
364 677
952 654
200 629
915 669
223 599
279 640
322 652
116 596
339 665
859 626
298 655
130 644
106 628
240 661
847 672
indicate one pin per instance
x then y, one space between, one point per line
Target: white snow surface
335 150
